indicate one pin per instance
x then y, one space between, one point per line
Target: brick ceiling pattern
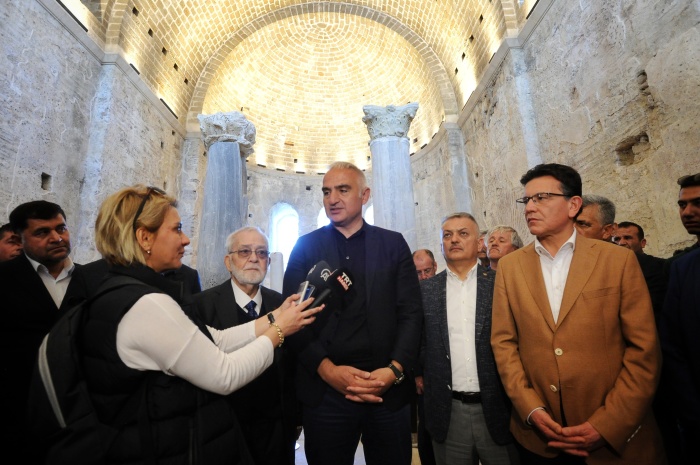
302 70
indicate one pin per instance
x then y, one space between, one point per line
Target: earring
148 252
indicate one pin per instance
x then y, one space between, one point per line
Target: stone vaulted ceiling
301 71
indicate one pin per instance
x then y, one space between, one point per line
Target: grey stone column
392 185
229 139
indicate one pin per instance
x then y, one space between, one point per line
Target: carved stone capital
228 127
389 121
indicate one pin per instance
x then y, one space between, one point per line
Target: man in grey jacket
467 411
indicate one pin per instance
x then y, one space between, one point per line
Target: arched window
284 231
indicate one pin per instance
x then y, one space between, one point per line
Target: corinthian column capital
228 127
389 121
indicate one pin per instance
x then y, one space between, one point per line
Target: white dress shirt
57 286
242 299
555 270
461 326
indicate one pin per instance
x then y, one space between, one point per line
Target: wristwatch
270 317
399 374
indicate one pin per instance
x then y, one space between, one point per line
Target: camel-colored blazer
600 361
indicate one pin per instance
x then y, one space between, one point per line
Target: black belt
467 397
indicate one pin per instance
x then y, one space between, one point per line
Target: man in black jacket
32 286
352 359
266 408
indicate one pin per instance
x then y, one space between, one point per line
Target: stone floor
359 455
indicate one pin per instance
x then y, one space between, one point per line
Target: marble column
392 179
229 139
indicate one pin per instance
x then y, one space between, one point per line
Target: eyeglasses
245 253
539 197
150 190
683 179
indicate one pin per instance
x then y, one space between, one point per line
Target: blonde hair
115 228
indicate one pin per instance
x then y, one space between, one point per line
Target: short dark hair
36 210
569 179
690 180
5 228
629 224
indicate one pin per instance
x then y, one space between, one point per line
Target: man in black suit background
631 236
352 358
466 408
678 332
32 286
266 408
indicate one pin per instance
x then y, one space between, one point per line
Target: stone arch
447 93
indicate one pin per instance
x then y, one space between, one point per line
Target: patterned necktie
251 309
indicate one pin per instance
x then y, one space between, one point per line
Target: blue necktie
251 309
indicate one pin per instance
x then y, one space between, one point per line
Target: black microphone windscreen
318 275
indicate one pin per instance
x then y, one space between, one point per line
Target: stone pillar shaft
229 138
394 205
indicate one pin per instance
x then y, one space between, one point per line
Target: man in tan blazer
574 337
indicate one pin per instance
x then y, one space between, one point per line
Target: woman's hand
291 317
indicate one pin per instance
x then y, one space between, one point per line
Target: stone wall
75 126
614 90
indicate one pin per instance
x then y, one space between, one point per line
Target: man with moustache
352 359
501 241
597 218
467 410
574 337
266 407
32 286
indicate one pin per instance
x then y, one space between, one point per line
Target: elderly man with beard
267 407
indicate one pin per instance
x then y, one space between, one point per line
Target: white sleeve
155 334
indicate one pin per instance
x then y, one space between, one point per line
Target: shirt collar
242 298
470 274
68 266
571 242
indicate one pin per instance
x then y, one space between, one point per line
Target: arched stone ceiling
186 50
303 81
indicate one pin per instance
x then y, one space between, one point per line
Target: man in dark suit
266 408
631 235
352 358
467 410
32 287
678 330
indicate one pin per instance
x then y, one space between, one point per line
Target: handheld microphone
337 283
317 277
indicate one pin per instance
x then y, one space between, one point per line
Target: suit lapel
228 308
582 264
482 302
532 274
371 251
441 306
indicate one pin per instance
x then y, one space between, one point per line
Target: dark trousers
425 443
333 430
